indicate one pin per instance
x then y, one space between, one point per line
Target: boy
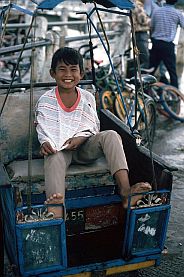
68 130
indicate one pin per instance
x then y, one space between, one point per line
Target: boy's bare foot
57 211
137 188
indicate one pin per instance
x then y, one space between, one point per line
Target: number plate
75 221
92 218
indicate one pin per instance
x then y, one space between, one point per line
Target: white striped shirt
164 23
56 123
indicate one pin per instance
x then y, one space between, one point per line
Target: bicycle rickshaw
98 235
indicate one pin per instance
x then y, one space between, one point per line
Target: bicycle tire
157 88
118 105
154 92
173 102
141 124
107 100
147 129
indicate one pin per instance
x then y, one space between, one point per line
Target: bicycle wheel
107 100
147 122
155 91
173 102
118 105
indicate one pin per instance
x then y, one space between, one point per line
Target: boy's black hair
171 2
68 56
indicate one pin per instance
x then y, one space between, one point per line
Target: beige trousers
106 143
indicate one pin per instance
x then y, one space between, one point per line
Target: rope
138 70
91 53
30 135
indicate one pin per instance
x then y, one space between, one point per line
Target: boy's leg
122 180
109 143
106 143
55 167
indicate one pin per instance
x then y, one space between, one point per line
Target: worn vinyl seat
77 177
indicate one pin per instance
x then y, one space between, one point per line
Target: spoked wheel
155 91
147 122
107 100
173 102
119 107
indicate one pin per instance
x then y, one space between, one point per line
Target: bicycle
169 100
140 114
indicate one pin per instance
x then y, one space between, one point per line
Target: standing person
164 23
68 129
149 6
142 28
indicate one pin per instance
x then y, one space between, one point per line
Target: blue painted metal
49 4
122 4
160 218
59 270
41 247
92 201
18 8
158 243
39 198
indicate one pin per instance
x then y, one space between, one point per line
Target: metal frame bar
46 42
56 23
39 85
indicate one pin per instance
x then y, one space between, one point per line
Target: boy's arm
47 149
47 146
74 143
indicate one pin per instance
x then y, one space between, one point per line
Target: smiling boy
68 130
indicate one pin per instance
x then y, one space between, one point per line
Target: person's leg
109 143
169 59
162 72
155 57
142 45
55 167
122 180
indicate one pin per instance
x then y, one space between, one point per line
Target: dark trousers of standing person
164 51
142 45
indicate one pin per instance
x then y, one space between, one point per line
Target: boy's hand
47 149
74 143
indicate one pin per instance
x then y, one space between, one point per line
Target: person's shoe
164 80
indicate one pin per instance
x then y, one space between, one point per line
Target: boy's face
66 76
